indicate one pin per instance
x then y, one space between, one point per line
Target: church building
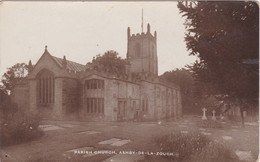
59 89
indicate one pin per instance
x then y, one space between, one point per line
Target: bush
194 147
214 152
182 144
19 128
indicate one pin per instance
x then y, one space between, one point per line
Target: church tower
142 52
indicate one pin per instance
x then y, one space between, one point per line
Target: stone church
59 89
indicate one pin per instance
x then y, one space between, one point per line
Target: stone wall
70 98
57 110
20 96
32 96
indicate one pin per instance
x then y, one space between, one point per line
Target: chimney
64 62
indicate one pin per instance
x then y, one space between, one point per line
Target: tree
192 92
109 62
225 38
13 75
182 78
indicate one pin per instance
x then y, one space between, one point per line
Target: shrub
194 147
214 152
19 128
182 144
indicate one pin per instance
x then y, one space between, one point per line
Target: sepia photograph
129 81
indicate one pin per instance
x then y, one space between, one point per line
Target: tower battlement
148 34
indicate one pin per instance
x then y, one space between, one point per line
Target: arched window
45 87
145 104
153 53
137 50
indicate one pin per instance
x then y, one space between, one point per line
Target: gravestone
49 127
120 143
204 114
184 132
114 142
89 132
202 129
221 117
244 155
227 137
206 133
110 141
213 115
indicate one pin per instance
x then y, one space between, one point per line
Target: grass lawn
53 146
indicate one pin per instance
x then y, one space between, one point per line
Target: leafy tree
13 75
225 38
184 79
109 62
192 92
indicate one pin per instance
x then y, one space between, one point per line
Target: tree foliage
225 38
13 75
109 62
190 91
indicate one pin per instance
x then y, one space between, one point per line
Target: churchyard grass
54 144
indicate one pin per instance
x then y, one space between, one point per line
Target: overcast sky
81 30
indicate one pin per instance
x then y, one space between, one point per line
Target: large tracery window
145 105
45 87
94 84
95 105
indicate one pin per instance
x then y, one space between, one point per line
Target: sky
81 30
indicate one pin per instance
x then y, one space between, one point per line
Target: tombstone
221 117
204 114
213 116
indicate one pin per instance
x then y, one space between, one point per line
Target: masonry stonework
59 89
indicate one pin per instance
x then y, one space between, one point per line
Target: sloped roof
70 64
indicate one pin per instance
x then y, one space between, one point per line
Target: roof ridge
71 64
68 60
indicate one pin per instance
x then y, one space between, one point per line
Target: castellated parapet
148 34
142 51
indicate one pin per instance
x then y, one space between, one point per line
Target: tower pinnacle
142 20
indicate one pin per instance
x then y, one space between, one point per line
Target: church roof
70 64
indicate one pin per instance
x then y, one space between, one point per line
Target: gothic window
134 105
137 50
95 105
45 87
153 52
158 93
94 84
145 105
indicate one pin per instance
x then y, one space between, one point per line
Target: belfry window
45 87
137 50
153 53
